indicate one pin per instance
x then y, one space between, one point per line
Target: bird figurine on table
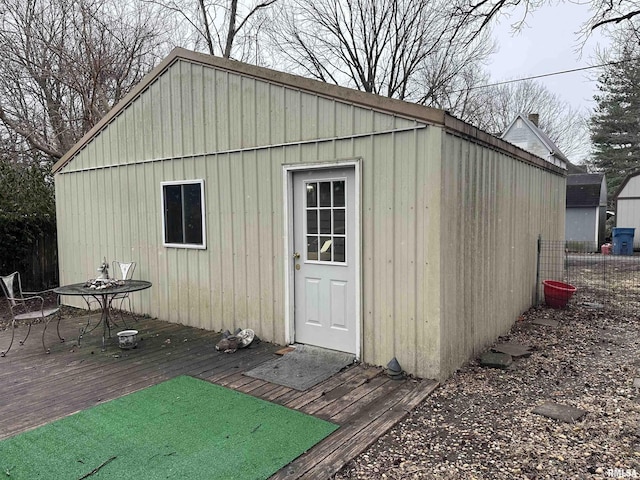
104 270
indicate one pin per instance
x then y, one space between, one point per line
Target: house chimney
534 118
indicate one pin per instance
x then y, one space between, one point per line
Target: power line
562 72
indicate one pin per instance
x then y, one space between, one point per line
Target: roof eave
457 126
624 183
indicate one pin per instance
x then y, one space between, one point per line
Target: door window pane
325 221
338 193
312 221
325 194
338 221
338 249
312 248
312 194
325 249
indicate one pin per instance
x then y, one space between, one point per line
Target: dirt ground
479 424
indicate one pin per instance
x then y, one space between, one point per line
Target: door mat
182 428
302 368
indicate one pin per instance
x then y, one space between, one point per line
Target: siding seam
249 149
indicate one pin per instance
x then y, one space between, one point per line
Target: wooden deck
37 388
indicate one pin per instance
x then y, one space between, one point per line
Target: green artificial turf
183 428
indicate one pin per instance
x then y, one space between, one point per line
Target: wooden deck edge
336 454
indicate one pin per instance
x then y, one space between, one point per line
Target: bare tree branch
233 24
253 11
617 19
65 63
378 46
207 30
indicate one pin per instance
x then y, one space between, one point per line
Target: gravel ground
479 424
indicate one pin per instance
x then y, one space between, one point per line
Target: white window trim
196 246
332 235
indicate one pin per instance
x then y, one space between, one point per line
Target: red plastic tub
557 294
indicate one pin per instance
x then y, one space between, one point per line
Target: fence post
537 302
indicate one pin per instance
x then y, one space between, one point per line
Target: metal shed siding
493 209
581 225
191 110
238 281
400 250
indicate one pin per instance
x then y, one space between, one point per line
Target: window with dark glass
183 218
326 221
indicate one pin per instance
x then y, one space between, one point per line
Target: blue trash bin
623 241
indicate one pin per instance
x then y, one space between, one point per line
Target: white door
324 226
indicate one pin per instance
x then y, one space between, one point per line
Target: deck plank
331 396
317 392
356 434
375 388
38 388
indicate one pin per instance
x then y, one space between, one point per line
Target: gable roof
624 183
543 137
573 168
374 102
584 190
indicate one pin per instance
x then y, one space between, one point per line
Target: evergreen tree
27 209
615 124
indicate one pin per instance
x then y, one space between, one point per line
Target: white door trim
287 182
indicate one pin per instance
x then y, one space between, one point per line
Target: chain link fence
599 278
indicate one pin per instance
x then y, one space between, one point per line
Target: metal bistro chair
125 270
30 308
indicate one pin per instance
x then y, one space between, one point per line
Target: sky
549 42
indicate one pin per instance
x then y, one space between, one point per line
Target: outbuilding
627 201
310 213
586 209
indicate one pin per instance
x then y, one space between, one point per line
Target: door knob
296 255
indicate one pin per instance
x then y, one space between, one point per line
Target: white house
525 133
